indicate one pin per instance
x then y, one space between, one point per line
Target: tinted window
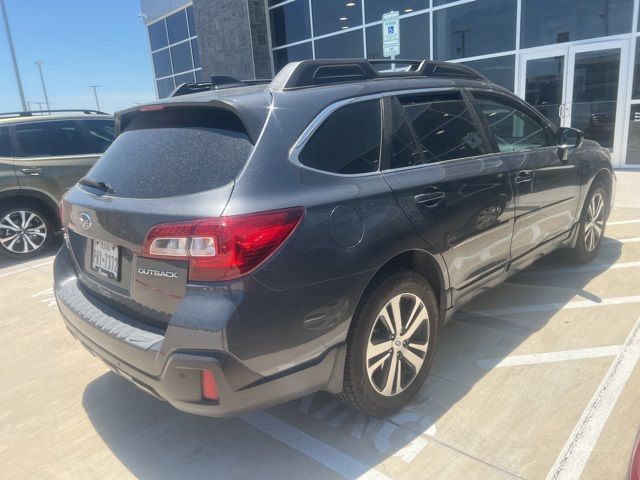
157 35
184 78
513 129
177 26
633 144
165 87
290 23
174 153
376 8
635 92
404 149
544 85
6 150
347 142
283 56
162 63
476 28
500 70
444 127
100 134
196 53
191 21
181 57
555 21
333 15
44 139
345 45
414 38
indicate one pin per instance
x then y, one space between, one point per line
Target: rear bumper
168 364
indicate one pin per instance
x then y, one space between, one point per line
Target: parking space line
550 357
623 240
24 269
48 290
319 451
577 451
549 307
624 222
592 267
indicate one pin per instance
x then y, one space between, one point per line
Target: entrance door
580 86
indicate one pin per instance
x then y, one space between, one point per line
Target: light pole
13 54
95 94
44 89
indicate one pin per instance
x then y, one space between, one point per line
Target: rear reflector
209 386
223 248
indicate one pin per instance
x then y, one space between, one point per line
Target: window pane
635 92
345 45
476 28
544 83
157 35
345 143
444 126
100 134
290 23
333 15
184 78
191 21
414 38
555 21
165 87
500 70
162 63
376 8
633 145
404 149
177 26
199 75
6 150
51 139
181 57
195 51
514 130
437 3
291 54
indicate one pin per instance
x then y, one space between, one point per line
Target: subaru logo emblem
85 220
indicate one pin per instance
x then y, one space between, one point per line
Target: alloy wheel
594 222
22 231
398 344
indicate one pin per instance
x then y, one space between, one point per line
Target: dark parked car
245 245
42 154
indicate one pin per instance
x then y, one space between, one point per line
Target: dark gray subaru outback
242 245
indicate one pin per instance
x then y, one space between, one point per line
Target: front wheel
391 344
592 224
25 231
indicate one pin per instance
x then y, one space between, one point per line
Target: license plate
105 259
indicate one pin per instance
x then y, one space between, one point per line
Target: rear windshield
174 152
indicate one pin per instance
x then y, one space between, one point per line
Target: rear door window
174 152
50 139
99 134
348 142
444 126
6 149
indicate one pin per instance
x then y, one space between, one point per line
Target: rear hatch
168 164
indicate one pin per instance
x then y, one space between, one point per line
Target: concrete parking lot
538 378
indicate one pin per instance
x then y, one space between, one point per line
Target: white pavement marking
576 452
319 451
48 290
624 222
24 269
549 307
550 357
592 267
622 240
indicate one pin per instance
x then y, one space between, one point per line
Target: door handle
524 176
429 200
31 170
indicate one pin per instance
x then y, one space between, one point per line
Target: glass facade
174 50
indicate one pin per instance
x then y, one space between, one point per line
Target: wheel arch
34 198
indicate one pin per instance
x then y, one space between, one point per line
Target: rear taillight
223 248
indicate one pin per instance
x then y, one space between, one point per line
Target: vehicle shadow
155 441
6 262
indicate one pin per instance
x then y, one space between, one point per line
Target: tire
591 232
372 394
26 230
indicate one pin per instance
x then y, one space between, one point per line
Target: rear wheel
592 224
391 344
25 231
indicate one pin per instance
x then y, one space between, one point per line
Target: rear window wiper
100 185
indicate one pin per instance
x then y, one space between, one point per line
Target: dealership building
577 61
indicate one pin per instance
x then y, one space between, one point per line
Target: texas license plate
105 259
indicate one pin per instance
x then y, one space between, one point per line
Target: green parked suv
42 154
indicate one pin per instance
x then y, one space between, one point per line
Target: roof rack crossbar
30 113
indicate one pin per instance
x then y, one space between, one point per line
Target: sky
82 42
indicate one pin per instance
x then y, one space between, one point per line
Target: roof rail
307 73
218 82
33 113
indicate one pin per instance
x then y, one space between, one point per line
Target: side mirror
569 137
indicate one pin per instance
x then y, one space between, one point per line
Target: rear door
454 190
52 155
547 187
8 180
